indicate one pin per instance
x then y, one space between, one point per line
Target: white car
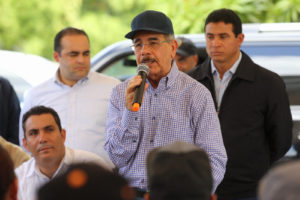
25 70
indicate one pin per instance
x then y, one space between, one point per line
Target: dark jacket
256 124
9 112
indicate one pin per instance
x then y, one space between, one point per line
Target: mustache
147 59
45 146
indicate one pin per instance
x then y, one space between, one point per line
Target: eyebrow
45 127
78 52
217 34
73 52
149 39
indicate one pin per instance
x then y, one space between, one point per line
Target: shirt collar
35 170
58 81
232 69
167 81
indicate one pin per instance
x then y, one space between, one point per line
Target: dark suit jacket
256 124
9 112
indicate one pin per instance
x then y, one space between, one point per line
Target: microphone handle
139 91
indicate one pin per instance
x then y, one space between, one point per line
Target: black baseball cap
150 20
185 47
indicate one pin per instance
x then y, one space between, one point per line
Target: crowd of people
206 129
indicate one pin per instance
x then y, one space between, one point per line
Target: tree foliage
31 25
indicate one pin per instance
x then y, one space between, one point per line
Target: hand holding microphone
143 71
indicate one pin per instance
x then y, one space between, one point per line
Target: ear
213 197
195 57
63 134
25 143
174 46
56 56
147 196
240 38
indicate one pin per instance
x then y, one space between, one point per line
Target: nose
145 49
80 58
42 137
216 42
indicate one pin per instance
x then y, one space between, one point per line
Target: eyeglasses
151 45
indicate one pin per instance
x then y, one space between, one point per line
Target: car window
122 69
25 70
283 60
18 83
272 50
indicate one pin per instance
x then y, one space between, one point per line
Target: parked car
25 70
273 46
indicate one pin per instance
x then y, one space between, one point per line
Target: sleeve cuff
130 119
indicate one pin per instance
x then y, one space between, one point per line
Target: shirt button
153 118
136 119
155 95
134 141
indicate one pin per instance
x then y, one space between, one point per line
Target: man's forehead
76 42
74 37
219 26
40 121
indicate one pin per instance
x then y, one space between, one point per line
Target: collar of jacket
245 70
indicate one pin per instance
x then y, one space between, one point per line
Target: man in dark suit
252 105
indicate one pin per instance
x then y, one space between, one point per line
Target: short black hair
66 31
39 110
7 173
228 17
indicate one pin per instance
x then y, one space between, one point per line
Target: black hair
66 31
39 110
228 17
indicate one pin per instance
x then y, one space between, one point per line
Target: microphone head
143 68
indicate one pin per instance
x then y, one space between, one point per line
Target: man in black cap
186 55
179 171
175 106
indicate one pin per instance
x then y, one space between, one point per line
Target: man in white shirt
44 138
79 96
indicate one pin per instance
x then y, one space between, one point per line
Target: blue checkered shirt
180 108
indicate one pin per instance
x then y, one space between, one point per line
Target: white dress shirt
82 109
221 84
30 178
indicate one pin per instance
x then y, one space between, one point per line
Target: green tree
31 25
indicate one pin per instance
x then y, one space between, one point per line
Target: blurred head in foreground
179 171
281 182
87 181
